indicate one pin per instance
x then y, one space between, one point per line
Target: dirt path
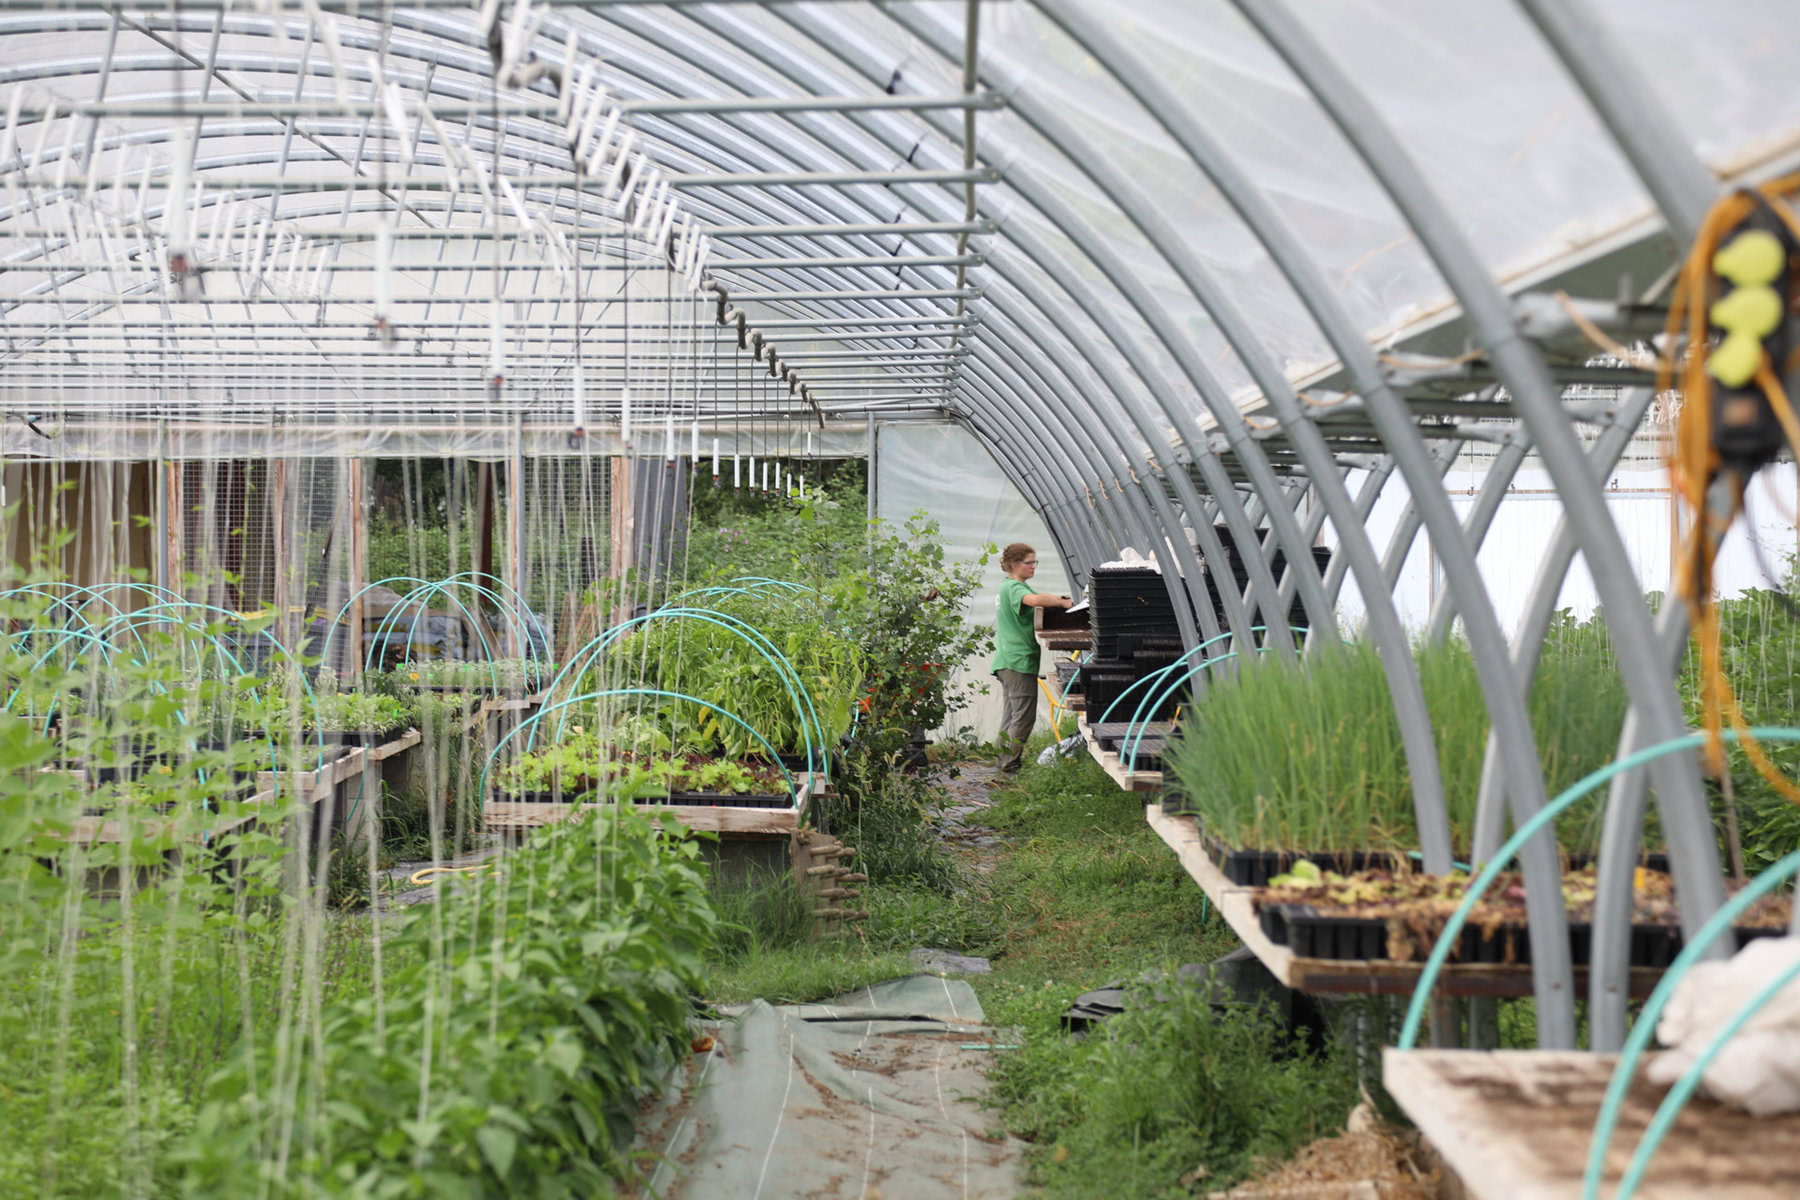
968 790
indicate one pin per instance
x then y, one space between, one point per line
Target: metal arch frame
1385 627
1006 459
1191 573
996 365
1389 635
1021 480
641 33
1048 452
789 200
1686 820
497 132
1084 490
1146 522
1190 567
1553 979
1002 346
1684 189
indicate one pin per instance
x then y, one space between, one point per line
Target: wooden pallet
1518 1124
1372 977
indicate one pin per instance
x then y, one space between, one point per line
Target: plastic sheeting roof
358 107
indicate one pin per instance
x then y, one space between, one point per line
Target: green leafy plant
546 1017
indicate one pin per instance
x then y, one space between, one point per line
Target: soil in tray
1254 868
1377 915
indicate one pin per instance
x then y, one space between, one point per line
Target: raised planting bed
553 777
1398 916
688 799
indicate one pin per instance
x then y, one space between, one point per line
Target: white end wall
942 470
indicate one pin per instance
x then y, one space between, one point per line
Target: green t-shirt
1015 646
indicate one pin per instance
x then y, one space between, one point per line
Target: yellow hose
426 875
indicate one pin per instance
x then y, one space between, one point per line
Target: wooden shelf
1518 1124
1113 765
1372 977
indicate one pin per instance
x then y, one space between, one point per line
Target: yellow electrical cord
1695 464
428 874
1056 709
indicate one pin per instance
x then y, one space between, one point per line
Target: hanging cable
1738 284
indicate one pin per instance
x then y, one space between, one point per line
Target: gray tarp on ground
868 1095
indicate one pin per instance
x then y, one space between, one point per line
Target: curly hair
1015 554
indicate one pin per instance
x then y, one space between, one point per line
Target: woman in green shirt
1016 651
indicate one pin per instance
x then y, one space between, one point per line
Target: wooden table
1518 1124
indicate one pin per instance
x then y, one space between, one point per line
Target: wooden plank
1517 1125
770 822
774 822
1130 781
1182 836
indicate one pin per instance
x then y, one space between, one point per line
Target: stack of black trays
1134 633
1240 576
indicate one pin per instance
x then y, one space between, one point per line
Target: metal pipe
1685 815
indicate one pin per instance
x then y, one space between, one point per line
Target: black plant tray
1311 933
574 796
1254 868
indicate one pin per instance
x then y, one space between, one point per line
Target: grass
1082 894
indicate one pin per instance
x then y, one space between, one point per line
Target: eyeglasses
1029 562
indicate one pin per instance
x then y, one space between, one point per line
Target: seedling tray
1314 933
1254 868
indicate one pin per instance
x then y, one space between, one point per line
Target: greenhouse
900 598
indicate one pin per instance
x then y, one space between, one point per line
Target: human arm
1045 600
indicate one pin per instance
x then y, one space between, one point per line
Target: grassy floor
1080 894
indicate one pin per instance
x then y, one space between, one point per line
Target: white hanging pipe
175 208
737 470
497 348
384 272
715 456
625 417
565 99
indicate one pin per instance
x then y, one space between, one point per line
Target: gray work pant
1020 714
